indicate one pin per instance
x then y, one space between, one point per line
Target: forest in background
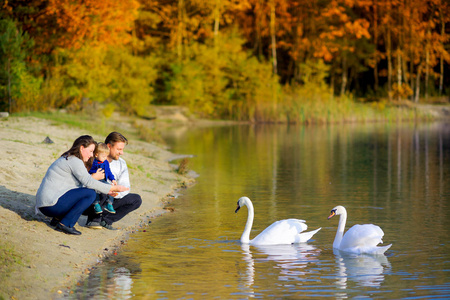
257 60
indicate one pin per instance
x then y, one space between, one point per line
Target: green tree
224 83
14 44
87 76
132 80
108 75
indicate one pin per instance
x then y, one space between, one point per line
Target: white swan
281 232
359 238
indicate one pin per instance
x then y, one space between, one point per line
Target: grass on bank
83 121
306 105
9 260
99 124
316 104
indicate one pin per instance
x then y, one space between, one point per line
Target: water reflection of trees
357 161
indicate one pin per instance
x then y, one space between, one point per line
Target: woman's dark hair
85 141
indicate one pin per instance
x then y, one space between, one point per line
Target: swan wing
363 239
306 236
280 232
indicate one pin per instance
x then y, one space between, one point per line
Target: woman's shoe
68 230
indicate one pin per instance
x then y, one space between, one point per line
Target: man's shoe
107 226
93 225
54 222
98 208
109 208
68 230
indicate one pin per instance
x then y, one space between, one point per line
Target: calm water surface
395 176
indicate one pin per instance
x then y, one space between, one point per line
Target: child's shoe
109 208
98 209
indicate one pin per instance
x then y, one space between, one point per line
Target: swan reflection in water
292 260
117 281
363 269
295 262
249 277
122 283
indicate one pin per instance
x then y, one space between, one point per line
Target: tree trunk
427 67
272 33
400 46
375 42
419 73
411 63
216 20
405 45
389 58
405 69
344 74
258 43
441 75
293 62
399 75
333 75
180 29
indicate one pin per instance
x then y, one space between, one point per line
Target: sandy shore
37 262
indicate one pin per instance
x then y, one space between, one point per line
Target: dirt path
37 262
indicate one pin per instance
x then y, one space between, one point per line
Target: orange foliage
96 22
342 30
413 35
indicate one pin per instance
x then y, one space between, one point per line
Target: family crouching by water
77 183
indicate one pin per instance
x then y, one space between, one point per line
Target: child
101 162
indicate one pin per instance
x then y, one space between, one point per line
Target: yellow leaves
403 91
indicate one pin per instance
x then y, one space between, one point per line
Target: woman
68 189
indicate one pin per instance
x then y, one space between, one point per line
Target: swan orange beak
237 208
333 213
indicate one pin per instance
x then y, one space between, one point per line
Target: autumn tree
444 54
183 49
342 40
98 22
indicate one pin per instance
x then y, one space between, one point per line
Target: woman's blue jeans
70 206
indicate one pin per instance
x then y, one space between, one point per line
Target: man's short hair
115 137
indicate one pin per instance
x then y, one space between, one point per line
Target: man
124 202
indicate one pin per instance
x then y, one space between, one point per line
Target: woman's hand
99 175
113 193
115 189
118 188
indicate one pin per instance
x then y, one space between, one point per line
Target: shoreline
38 262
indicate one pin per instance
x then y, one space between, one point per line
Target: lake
393 175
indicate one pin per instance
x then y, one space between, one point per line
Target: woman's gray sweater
64 175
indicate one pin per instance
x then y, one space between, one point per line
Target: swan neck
340 230
245 238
